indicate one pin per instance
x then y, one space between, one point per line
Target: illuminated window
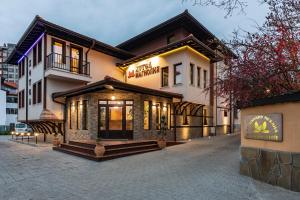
115 118
165 77
59 52
129 117
147 115
102 116
158 115
178 76
75 59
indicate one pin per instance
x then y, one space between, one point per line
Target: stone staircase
86 150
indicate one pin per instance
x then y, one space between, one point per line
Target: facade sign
143 70
264 127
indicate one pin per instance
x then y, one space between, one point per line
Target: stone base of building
273 167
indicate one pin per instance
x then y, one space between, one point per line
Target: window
191 73
158 115
205 117
102 116
178 74
11 111
166 111
204 78
147 115
34 56
198 76
39 92
84 114
34 93
225 113
39 51
59 51
129 115
165 77
170 39
76 58
21 99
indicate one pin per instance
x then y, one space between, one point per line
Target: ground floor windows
147 115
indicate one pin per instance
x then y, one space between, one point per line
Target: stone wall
139 133
273 167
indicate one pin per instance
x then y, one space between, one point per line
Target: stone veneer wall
273 167
139 133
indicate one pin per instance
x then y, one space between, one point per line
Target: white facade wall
2 107
191 93
101 65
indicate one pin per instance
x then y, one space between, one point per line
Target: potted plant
56 141
99 148
161 142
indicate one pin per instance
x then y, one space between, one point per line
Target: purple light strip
25 54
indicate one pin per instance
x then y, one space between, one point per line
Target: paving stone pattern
200 169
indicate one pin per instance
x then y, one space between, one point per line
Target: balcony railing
68 64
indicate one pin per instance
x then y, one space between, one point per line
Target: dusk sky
114 21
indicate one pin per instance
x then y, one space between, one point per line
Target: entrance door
115 119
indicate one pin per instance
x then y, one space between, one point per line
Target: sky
115 21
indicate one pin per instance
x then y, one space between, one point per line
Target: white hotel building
81 88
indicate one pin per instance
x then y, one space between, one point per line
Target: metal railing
67 63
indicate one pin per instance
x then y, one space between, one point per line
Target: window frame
163 84
63 48
204 79
192 73
198 76
174 74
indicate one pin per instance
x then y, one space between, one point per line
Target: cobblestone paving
201 169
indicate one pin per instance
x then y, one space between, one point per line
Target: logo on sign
143 70
264 127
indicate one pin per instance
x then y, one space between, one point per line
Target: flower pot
56 141
99 150
162 144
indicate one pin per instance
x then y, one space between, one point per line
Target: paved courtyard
200 169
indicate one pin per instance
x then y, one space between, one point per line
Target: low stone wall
273 167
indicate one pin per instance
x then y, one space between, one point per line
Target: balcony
66 67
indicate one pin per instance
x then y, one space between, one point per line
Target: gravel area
200 169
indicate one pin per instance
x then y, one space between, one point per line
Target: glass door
75 59
115 119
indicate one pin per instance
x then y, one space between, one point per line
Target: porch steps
113 151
